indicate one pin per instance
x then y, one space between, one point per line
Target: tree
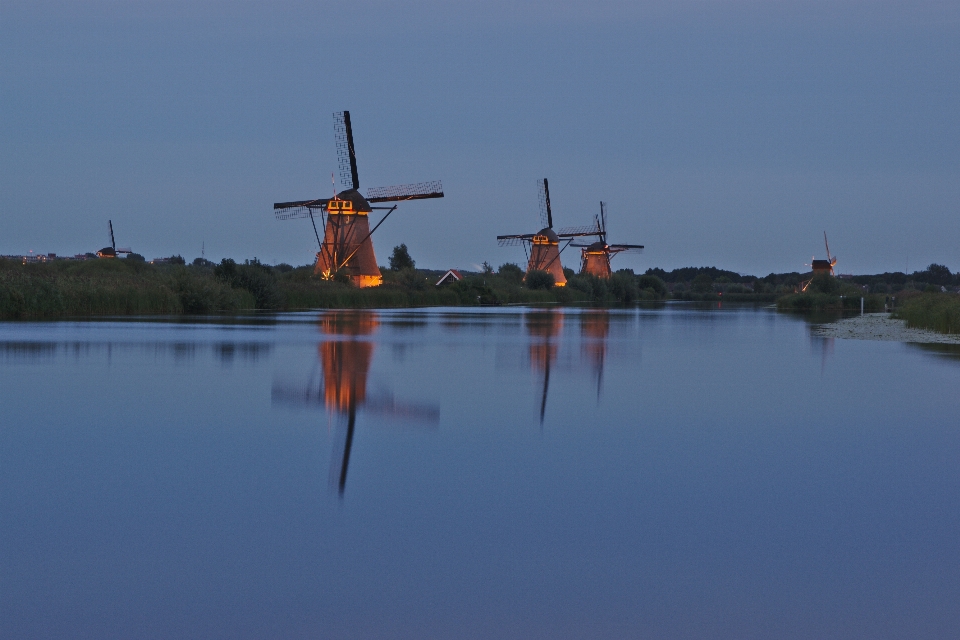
487 268
654 284
511 272
702 284
537 279
400 259
939 274
135 257
824 283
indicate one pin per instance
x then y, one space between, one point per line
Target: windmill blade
580 244
513 241
546 214
113 243
626 248
298 209
827 245
346 153
416 191
584 230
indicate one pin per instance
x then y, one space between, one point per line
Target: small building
450 277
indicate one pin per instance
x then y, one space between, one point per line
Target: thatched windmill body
544 246
595 257
347 248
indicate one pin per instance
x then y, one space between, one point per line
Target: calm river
655 473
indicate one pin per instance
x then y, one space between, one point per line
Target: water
667 473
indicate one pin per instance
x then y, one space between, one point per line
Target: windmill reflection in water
594 329
345 355
543 327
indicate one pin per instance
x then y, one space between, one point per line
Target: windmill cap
597 247
360 204
551 235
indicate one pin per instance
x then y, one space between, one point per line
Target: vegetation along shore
130 287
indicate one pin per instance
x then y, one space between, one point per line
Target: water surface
666 473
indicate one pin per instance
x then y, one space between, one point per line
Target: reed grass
120 287
934 311
818 301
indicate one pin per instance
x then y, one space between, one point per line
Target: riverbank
127 287
881 326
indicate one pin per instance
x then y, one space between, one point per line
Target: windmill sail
346 153
298 209
546 214
399 193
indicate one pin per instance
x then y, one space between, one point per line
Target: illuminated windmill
346 248
345 356
111 251
819 267
544 246
595 257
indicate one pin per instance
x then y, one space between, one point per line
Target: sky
728 133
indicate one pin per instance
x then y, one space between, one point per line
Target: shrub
824 283
511 273
594 287
537 279
654 284
702 284
623 287
254 277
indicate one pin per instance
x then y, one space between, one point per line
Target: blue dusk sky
725 132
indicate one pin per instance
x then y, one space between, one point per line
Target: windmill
341 386
346 248
595 257
111 251
544 246
821 267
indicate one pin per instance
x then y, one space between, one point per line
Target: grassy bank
935 311
122 287
827 293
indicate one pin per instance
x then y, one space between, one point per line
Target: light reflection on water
666 472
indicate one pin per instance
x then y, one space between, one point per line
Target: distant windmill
544 251
111 251
595 257
819 267
346 245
